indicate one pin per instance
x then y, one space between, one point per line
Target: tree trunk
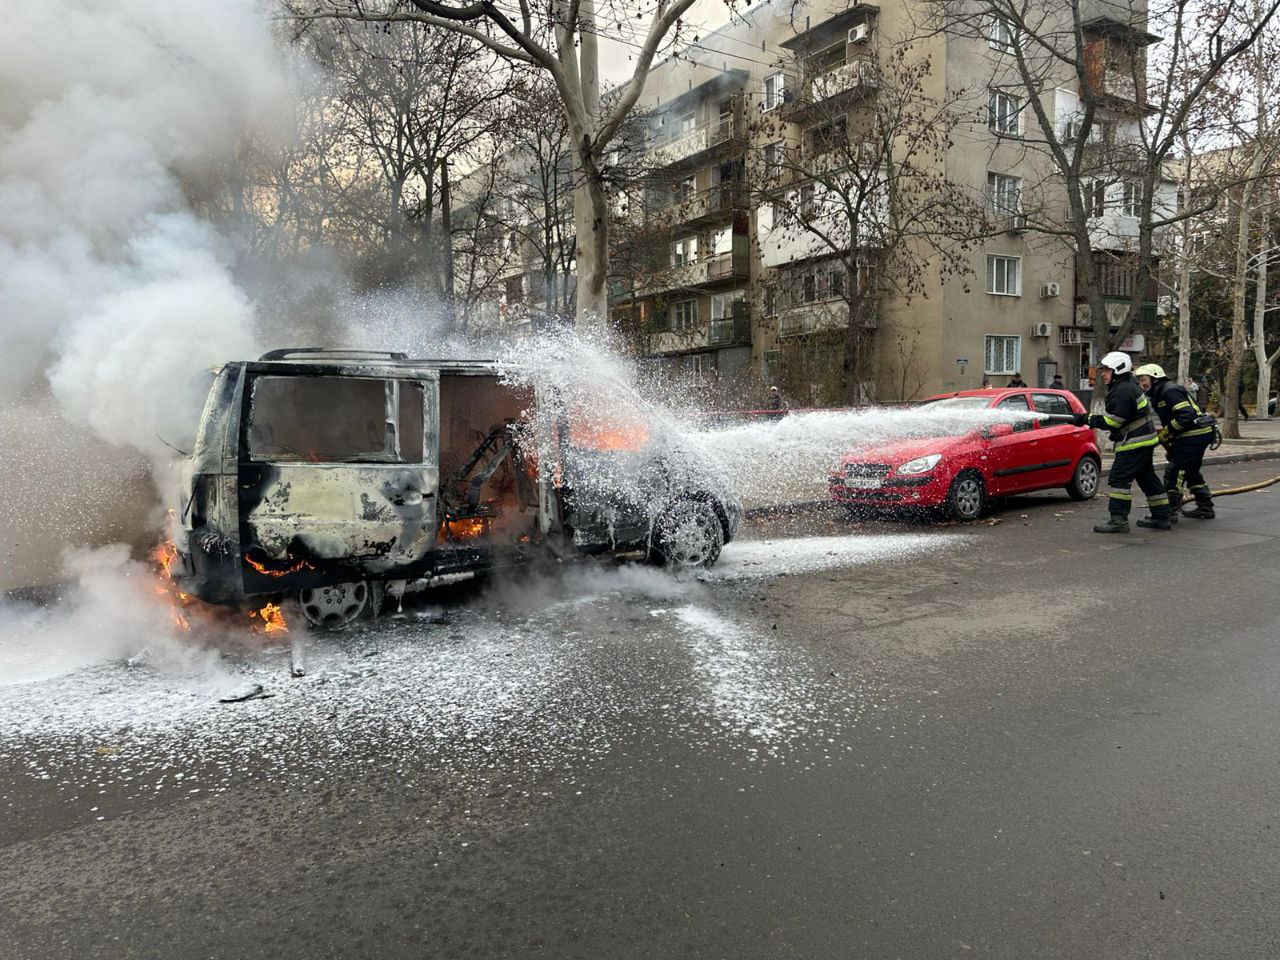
591 215
1260 318
1184 282
1239 287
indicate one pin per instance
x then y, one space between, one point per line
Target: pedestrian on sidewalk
1244 414
1203 392
1056 383
1128 418
1017 381
1186 431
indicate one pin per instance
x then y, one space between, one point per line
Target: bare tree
560 38
411 101
1086 87
858 200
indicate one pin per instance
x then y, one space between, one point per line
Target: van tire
689 535
340 605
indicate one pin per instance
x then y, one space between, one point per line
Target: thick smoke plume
113 294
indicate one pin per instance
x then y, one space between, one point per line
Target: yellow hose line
1247 488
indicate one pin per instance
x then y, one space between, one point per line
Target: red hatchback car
959 474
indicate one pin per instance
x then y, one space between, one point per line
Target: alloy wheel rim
689 540
1088 478
968 497
334 606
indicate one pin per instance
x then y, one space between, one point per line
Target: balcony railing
852 77
696 141
724 198
720 266
815 317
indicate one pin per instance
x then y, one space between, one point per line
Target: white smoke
112 292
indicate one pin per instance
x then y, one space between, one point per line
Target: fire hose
1228 492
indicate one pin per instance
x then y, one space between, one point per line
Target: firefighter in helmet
1128 417
1186 431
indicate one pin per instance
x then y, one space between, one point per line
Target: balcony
805 94
695 143
731 331
708 270
817 317
722 200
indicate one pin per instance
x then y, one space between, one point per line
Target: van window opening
336 420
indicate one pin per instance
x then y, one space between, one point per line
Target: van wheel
341 604
1084 482
967 497
688 535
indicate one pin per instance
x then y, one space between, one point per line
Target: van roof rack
330 353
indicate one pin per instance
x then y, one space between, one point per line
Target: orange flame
465 529
163 556
264 570
272 617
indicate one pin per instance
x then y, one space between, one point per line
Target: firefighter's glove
1098 422
1164 436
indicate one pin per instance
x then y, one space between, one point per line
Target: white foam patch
753 559
493 692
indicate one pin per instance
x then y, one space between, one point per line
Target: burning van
326 476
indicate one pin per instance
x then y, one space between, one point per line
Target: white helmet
1119 362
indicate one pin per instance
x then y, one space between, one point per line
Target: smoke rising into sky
112 293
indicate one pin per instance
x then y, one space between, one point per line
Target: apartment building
727 294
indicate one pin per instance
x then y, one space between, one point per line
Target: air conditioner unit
860 34
1041 329
1050 290
1070 336
1015 223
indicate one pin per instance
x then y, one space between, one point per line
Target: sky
617 59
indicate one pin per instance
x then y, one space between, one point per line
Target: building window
684 251
808 201
1003 112
830 136
831 282
1132 203
773 86
1004 355
701 364
684 315
1093 195
686 123
1003 34
770 304
722 304
1003 194
826 60
772 160
1004 276
686 188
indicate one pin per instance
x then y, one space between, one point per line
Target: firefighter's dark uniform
1190 432
1128 417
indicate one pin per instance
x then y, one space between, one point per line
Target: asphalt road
1011 739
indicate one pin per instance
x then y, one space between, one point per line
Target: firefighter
1187 431
1128 418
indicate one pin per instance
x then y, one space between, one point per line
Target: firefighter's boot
1175 505
1117 524
1204 503
1155 523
